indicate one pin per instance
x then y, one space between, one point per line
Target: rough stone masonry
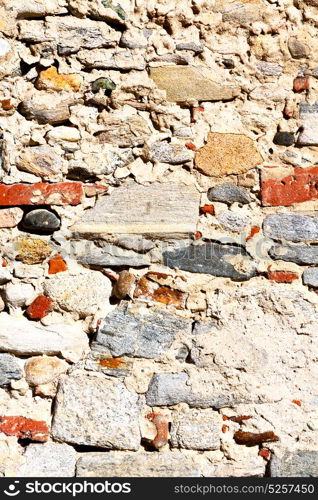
158 238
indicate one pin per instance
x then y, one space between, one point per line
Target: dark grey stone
9 369
310 277
298 254
211 258
284 139
139 332
229 193
291 227
41 221
306 109
298 464
192 46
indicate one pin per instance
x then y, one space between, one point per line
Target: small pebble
42 221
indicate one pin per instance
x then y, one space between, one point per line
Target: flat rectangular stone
158 209
197 430
187 83
112 256
284 186
139 332
212 258
23 337
94 411
291 227
119 464
295 464
300 254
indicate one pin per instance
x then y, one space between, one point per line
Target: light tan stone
226 154
186 84
44 369
50 79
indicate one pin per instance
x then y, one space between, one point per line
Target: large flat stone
291 227
227 154
112 256
117 464
186 83
9 369
158 209
212 258
295 464
48 460
139 332
94 411
22 337
300 254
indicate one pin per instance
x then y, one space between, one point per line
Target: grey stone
229 193
297 48
310 277
9 369
169 153
137 331
232 221
118 464
169 389
196 431
197 48
23 337
309 133
157 209
120 59
212 258
307 110
93 411
48 460
284 139
113 256
42 221
68 292
269 68
291 227
295 464
301 254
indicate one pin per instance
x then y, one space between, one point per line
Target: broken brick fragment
39 308
57 264
224 428
296 402
239 419
162 427
207 209
264 453
284 186
254 230
282 276
301 83
191 146
6 104
253 439
24 428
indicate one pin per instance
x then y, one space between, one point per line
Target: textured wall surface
158 238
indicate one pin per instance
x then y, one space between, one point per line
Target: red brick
57 264
41 193
39 308
297 186
207 209
265 453
282 276
301 83
191 146
25 428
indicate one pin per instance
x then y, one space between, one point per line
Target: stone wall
158 241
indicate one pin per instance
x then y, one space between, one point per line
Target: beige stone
186 84
50 79
226 154
43 369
